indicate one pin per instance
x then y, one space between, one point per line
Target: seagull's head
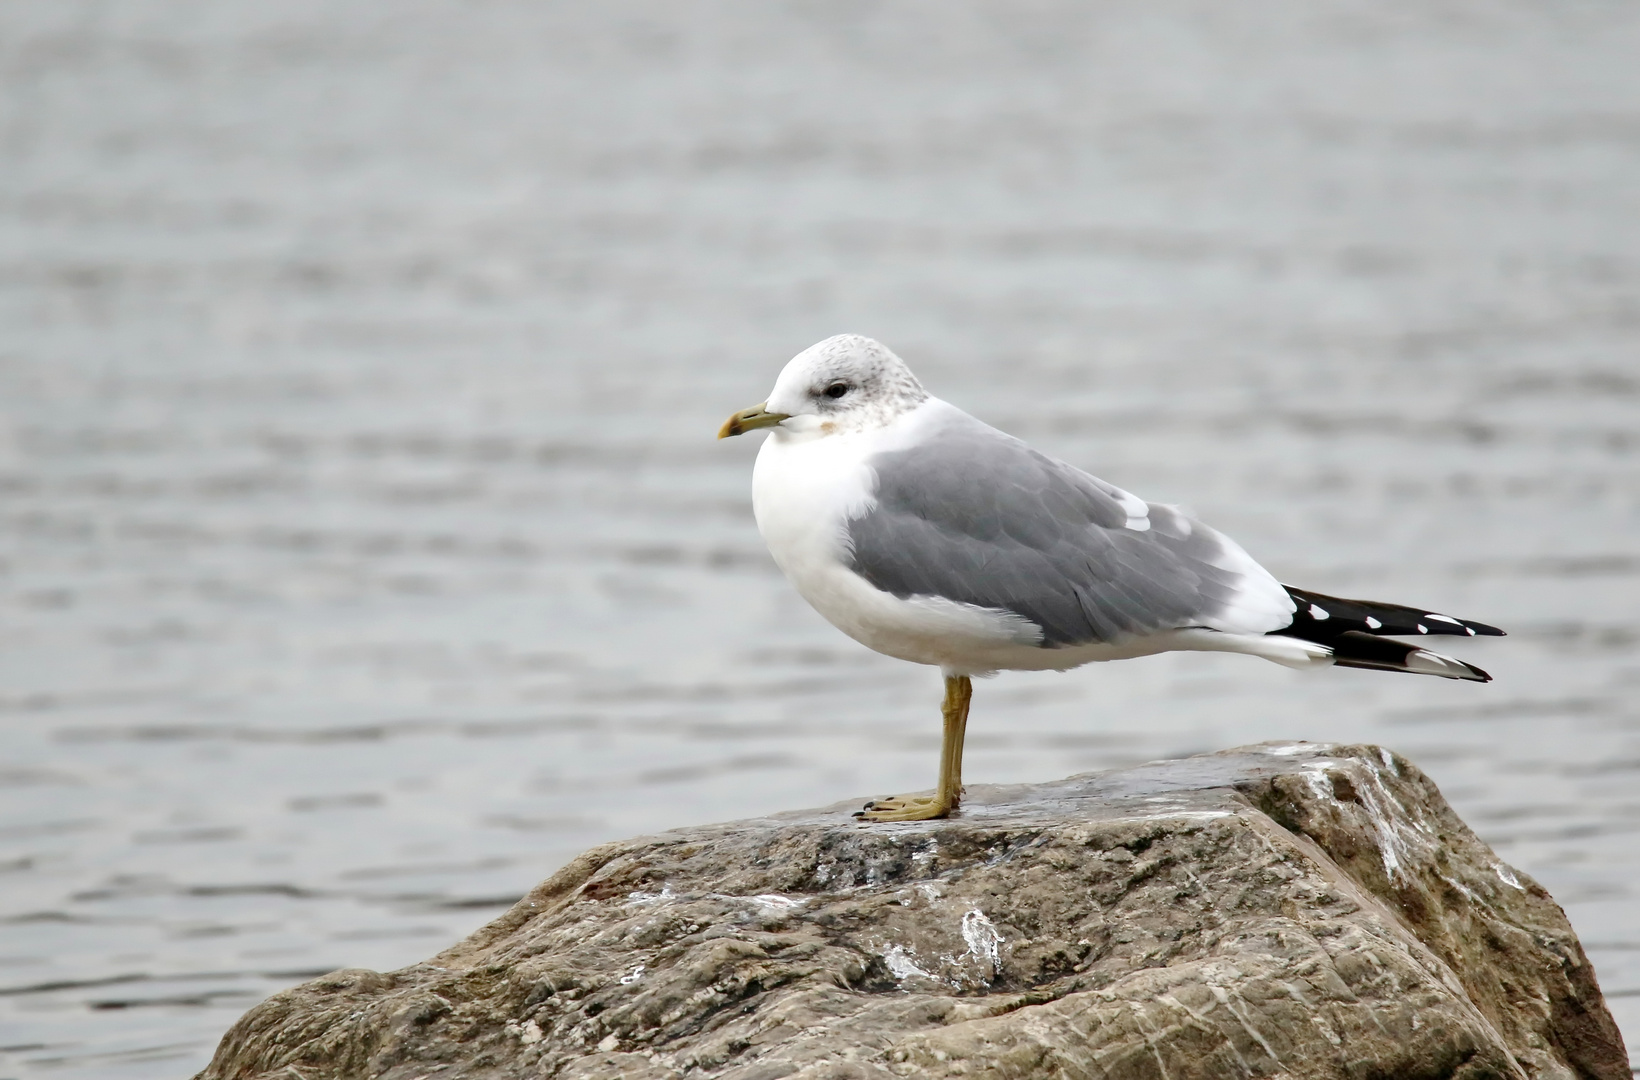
845 383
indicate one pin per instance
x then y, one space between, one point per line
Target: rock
1288 911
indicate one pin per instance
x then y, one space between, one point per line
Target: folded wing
973 515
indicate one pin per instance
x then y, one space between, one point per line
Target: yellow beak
750 420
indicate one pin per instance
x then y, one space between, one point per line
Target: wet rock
1293 911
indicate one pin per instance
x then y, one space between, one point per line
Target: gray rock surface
1285 911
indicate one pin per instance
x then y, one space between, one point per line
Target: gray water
365 551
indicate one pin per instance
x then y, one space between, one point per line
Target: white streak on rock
1315 778
901 964
1396 841
1397 832
1458 885
651 897
982 939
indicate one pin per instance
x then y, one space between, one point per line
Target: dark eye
837 389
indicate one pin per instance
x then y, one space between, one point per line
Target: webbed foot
906 808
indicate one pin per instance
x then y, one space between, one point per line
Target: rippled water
365 551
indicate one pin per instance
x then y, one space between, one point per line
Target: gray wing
976 516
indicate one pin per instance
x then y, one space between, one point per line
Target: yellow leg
965 688
959 692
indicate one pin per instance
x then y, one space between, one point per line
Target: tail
1355 630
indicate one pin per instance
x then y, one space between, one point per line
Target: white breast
805 489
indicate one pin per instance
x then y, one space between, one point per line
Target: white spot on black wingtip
1443 618
1317 612
1374 623
1422 629
1470 630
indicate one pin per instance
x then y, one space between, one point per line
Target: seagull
932 537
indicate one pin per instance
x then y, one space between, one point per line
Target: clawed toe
895 802
905 808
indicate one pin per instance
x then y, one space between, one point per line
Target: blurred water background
365 551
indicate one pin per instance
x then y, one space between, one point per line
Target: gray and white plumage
931 536
978 517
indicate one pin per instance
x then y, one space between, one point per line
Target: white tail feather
1286 651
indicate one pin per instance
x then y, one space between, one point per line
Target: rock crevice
1284 911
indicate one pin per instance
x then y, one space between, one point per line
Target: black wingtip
1479 675
1322 618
